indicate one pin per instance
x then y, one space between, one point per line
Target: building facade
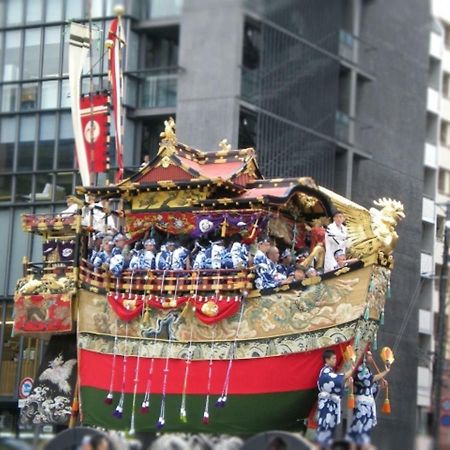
436 198
334 89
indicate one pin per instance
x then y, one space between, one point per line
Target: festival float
197 350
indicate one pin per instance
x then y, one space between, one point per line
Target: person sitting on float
267 275
164 257
239 250
147 260
95 246
103 257
335 239
200 249
342 261
261 254
285 266
217 253
136 256
311 272
299 273
73 205
119 260
180 257
316 253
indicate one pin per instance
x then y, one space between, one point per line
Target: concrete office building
335 89
436 194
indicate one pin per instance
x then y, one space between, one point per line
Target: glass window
14 12
29 96
8 130
53 11
7 139
19 240
5 190
65 94
66 146
9 97
46 143
64 183
96 8
25 155
34 11
43 189
25 152
5 220
31 53
23 187
12 55
10 355
164 8
74 10
49 94
53 37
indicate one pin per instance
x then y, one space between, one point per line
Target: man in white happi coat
335 239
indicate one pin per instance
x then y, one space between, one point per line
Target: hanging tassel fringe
387 404
382 317
351 400
366 313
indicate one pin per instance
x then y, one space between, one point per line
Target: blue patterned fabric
267 276
135 261
217 253
147 260
331 387
227 261
239 255
179 258
364 413
200 259
164 260
101 258
117 264
285 270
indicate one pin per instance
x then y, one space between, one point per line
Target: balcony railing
355 50
153 88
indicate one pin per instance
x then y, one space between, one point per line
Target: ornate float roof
231 178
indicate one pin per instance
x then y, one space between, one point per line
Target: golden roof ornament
224 146
168 135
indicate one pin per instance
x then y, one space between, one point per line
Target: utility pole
441 335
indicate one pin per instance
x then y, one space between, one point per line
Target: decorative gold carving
373 231
210 309
168 135
166 162
311 281
168 199
341 271
225 147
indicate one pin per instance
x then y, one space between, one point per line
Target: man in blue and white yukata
147 259
267 276
238 250
331 388
365 386
164 257
103 257
118 261
180 257
286 267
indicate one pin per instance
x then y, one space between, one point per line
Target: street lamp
441 334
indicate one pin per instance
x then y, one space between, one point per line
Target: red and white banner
94 112
117 41
78 52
